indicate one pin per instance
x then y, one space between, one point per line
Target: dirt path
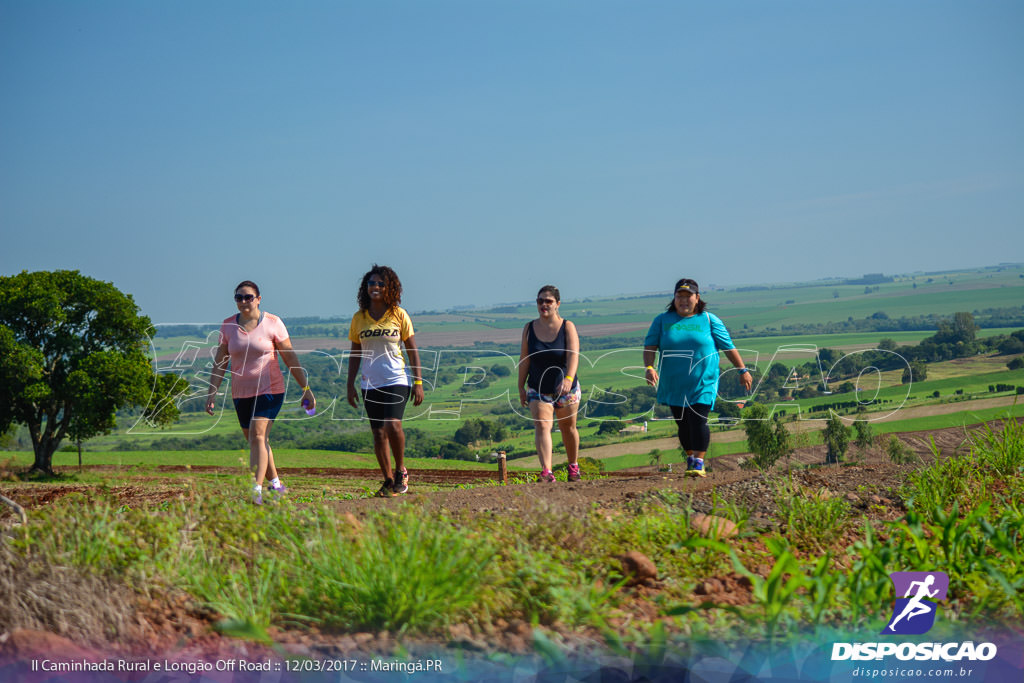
733 435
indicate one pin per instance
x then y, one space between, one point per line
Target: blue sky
483 149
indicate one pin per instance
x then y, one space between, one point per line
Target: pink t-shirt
254 366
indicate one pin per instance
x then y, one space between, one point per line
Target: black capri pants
692 421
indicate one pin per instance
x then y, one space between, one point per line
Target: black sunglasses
549 302
244 298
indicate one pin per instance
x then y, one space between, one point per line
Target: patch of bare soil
173 626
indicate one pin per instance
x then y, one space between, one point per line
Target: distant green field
746 311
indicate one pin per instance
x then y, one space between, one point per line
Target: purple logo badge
916 595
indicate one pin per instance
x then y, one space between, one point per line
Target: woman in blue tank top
548 359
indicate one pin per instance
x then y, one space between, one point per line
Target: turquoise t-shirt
689 347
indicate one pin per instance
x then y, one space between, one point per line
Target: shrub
767 438
837 438
899 452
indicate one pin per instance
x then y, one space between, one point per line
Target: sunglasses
549 302
244 298
374 283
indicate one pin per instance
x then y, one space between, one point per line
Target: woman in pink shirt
252 341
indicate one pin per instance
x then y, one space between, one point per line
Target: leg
271 467
696 435
381 450
543 416
258 456
570 436
396 438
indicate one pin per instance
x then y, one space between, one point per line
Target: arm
220 366
745 379
572 360
416 369
524 366
650 358
291 361
355 358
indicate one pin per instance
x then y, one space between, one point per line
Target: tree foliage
837 439
767 436
72 353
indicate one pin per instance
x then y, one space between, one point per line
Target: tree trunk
44 446
44 460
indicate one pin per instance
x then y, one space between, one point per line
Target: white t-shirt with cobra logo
383 364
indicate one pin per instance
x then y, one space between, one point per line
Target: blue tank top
548 361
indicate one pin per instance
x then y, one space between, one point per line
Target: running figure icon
915 606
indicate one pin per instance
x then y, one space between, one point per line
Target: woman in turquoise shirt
689 339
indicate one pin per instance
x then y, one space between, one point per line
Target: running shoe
401 482
387 489
574 472
696 469
546 475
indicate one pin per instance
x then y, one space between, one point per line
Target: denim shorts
264 406
557 401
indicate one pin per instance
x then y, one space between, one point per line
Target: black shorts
265 406
385 403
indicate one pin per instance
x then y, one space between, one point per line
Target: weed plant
813 520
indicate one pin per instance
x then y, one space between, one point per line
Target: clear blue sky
486 148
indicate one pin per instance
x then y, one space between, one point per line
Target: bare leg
258 456
570 435
543 417
396 438
381 450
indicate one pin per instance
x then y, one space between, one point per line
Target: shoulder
667 316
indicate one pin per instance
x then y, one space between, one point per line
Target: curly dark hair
392 287
701 304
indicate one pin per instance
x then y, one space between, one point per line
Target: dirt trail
733 435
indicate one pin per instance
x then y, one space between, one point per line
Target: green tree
916 371
837 439
610 427
863 435
767 437
72 353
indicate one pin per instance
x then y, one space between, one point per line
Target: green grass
292 565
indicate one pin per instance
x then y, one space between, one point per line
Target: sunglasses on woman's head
549 302
244 298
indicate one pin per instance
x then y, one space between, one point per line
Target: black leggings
694 433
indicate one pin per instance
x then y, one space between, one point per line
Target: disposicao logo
917 595
914 613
